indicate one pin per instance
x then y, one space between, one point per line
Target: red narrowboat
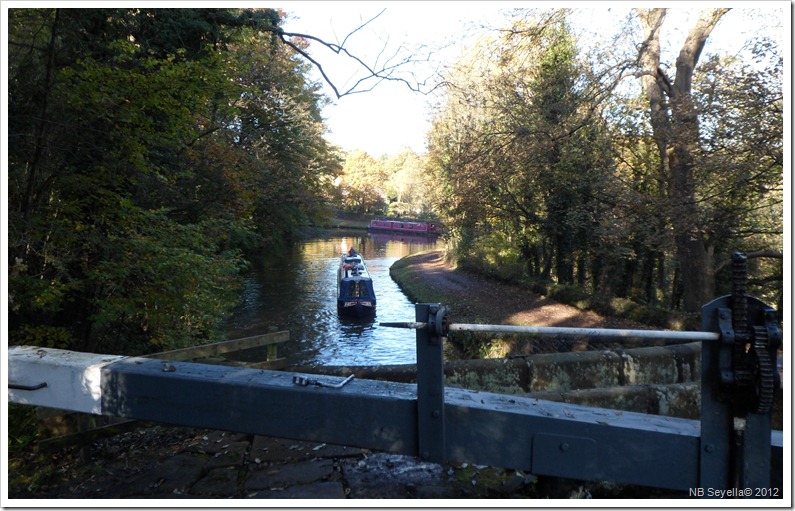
404 227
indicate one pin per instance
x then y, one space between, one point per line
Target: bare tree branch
310 59
379 73
360 27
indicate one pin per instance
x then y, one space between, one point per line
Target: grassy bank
413 283
421 286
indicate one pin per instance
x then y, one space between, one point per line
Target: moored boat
355 293
403 226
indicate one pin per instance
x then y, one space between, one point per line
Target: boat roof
405 222
357 259
362 275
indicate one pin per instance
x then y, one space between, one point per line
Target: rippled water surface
297 292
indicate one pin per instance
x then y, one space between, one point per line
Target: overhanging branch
384 72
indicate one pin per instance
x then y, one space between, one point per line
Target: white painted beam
73 379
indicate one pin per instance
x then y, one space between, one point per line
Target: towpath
478 297
474 298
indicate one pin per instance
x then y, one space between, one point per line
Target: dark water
297 292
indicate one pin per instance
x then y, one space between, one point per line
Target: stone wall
660 380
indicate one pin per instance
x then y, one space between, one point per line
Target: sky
391 117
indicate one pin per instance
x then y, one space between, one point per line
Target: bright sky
391 117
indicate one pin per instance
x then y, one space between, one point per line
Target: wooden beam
219 348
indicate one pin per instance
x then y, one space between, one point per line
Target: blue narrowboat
355 294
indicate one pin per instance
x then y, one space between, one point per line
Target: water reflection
297 292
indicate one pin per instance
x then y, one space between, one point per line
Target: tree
519 144
153 146
362 184
538 152
675 124
406 188
277 129
740 162
635 238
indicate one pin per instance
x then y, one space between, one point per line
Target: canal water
297 292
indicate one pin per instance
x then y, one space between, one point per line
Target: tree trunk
582 274
675 126
647 274
564 269
661 280
597 265
42 124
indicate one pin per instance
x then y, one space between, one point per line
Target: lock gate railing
731 451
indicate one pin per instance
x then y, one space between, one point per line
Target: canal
296 291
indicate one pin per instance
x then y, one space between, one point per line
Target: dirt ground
473 298
480 297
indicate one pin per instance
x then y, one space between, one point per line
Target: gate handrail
551 330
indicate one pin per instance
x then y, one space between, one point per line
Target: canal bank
428 277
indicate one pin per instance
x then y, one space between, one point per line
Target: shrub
602 306
541 287
568 294
622 306
653 316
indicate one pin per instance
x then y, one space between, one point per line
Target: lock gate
731 451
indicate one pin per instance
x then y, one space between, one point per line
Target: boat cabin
355 293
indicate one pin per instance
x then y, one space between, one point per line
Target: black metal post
734 442
716 414
430 383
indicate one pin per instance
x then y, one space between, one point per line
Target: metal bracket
732 451
564 456
300 380
439 323
17 386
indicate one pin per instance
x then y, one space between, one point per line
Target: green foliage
568 294
545 173
185 284
530 168
476 345
22 427
155 148
652 316
46 336
495 256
